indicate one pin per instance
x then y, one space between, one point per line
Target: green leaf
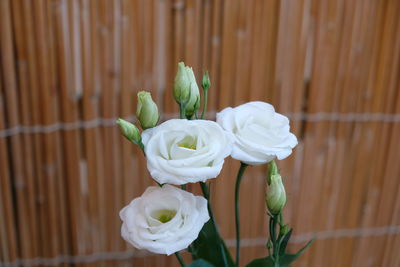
200 263
263 262
210 247
287 259
284 242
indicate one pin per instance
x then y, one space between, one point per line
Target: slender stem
204 189
204 103
206 193
237 219
272 234
276 240
180 259
141 145
279 218
272 231
273 237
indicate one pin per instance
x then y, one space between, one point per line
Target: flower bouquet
167 219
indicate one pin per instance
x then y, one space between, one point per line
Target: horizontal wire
345 117
329 234
250 242
110 122
61 126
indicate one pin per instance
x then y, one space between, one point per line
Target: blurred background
69 68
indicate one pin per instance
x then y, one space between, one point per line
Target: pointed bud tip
143 94
205 83
272 170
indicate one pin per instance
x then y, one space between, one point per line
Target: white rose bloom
186 151
164 220
260 133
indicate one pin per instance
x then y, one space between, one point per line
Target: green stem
272 234
206 193
203 113
141 145
276 240
280 235
237 217
180 259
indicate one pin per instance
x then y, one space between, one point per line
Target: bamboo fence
69 68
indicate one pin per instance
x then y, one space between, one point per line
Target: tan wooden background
69 68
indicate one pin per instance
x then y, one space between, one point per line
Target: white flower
181 151
164 220
260 133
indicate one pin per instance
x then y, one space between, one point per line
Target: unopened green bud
269 244
272 170
130 131
147 111
276 195
186 91
205 83
284 229
181 84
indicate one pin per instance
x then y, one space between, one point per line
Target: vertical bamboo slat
8 226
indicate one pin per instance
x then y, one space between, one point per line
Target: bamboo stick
71 139
9 240
19 182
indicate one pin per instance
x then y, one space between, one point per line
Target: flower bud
186 91
205 83
284 229
130 131
269 244
276 195
181 84
147 111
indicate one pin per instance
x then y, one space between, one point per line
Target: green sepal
284 242
287 259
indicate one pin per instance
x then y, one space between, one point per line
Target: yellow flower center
193 147
164 216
